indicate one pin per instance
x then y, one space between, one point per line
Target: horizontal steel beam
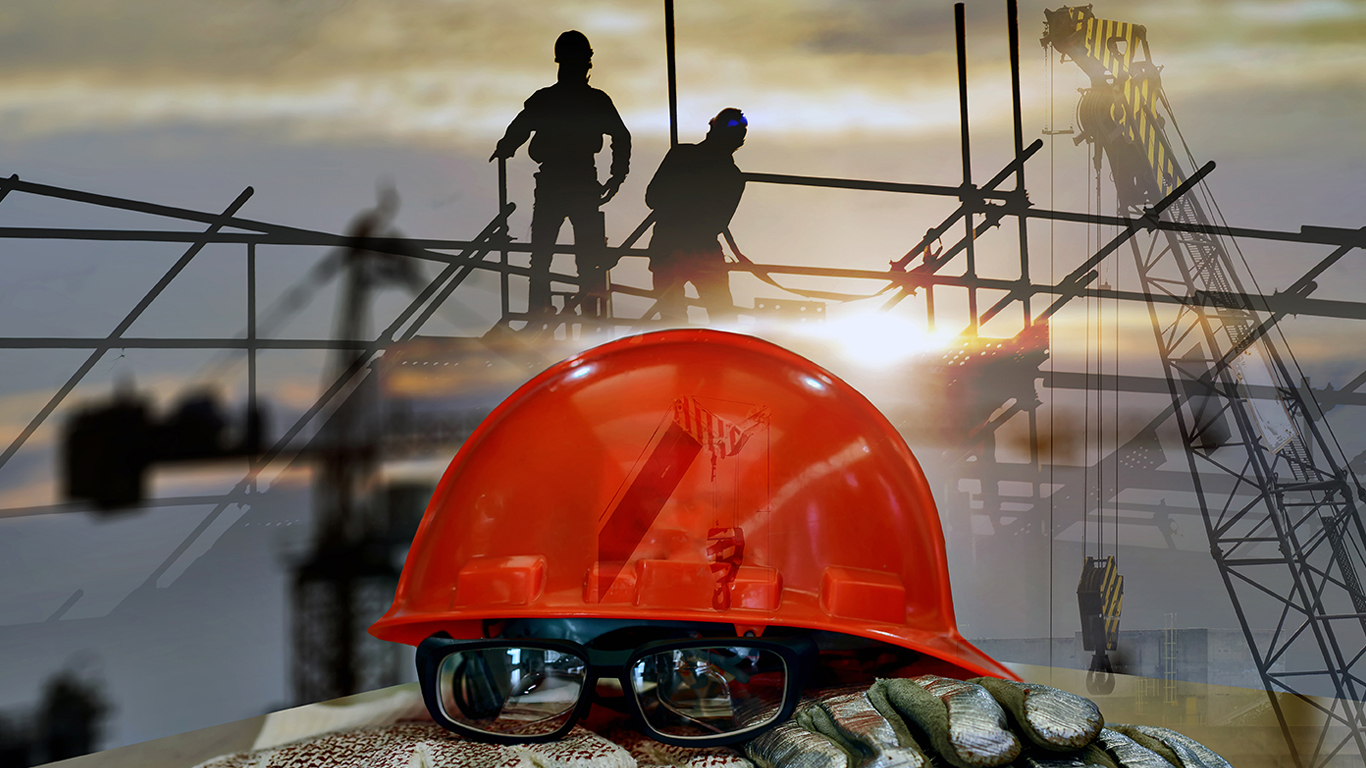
1152 385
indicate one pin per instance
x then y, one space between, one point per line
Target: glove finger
855 724
1177 748
1149 742
1128 753
817 720
1094 755
963 722
1052 719
792 746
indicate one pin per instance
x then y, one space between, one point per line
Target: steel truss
1287 530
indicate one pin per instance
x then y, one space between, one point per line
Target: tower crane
1289 535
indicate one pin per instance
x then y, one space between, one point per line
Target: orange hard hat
688 475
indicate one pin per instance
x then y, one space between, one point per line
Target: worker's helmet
573 46
728 128
731 118
686 475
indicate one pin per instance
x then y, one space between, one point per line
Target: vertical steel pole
252 418
1013 26
960 33
673 72
929 307
502 213
1013 12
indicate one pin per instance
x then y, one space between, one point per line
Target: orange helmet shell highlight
689 475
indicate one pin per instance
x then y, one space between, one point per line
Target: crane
1289 534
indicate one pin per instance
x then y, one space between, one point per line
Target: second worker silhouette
694 194
569 120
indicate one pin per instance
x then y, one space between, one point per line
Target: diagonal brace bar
1082 276
112 340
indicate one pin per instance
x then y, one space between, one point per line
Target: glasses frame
798 654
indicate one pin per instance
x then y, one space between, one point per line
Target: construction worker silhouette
694 195
569 119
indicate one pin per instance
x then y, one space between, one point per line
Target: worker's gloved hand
982 723
907 721
610 189
427 745
1140 746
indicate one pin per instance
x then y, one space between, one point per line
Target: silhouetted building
16 744
69 720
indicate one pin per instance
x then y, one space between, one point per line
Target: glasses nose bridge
610 665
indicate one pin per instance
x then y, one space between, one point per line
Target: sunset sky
316 102
447 74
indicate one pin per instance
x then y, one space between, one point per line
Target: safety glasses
695 692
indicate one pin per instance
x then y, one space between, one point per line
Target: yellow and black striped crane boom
1119 111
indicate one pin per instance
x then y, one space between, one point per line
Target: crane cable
1114 420
1086 377
1052 397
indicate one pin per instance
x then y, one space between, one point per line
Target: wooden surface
184 750
1237 723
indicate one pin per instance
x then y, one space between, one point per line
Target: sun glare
877 340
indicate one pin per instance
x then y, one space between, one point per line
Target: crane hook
1100 678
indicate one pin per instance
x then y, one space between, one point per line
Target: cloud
455 72
17 410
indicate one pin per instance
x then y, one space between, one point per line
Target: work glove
427 745
1138 746
981 723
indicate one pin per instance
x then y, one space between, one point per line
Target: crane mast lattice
1288 536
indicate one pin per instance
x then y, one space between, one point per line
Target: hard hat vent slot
757 588
855 593
674 584
516 580
620 589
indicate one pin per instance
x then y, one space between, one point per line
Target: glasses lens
703 692
513 691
